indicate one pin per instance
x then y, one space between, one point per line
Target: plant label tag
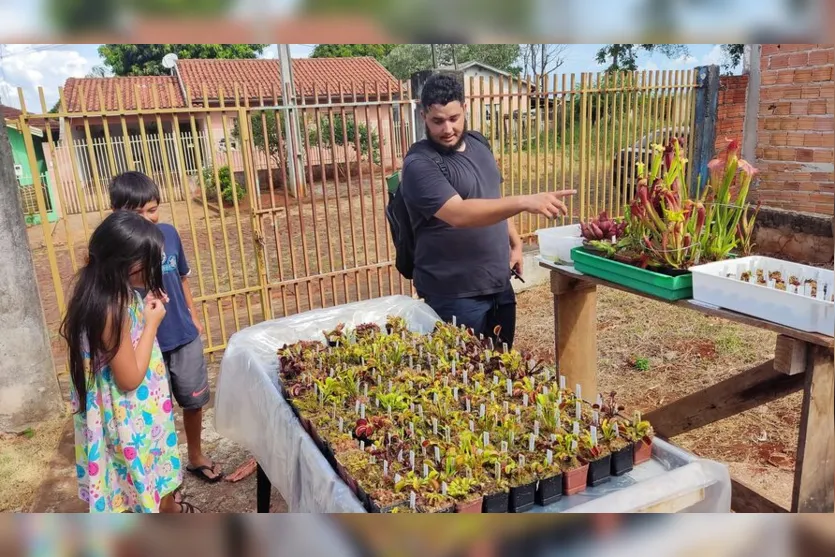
443 489
453 368
498 472
525 400
547 374
435 426
599 401
466 379
531 442
495 379
467 403
472 426
411 362
545 390
553 438
549 457
377 401
477 386
559 397
536 428
437 454
594 436
412 428
504 446
490 342
493 397
518 415
454 321
434 398
356 406
412 500
505 407
446 381
365 389
362 446
486 438
562 382
400 456
389 411
559 418
481 410
420 410
372 460
533 383
578 410
574 446
455 393
389 385
385 467
341 425
331 372
512 437
576 428
616 430
397 478
412 405
425 470
578 391
504 347
595 418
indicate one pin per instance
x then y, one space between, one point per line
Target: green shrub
226 180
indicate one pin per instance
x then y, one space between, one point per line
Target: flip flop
200 472
188 508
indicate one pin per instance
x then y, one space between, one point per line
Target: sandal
188 508
200 472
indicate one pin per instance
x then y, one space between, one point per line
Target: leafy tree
146 59
732 54
269 132
406 59
346 131
378 51
625 56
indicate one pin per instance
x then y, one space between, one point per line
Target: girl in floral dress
127 454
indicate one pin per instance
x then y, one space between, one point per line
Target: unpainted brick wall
731 111
796 128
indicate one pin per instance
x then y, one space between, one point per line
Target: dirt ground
684 352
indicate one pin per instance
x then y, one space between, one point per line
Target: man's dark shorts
481 313
188 375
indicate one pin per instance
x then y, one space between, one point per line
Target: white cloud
715 56
32 66
685 59
650 66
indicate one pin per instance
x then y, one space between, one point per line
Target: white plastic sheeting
250 410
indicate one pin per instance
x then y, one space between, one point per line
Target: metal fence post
704 125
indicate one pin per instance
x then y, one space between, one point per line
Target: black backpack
402 233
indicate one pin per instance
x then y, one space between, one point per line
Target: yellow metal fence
281 209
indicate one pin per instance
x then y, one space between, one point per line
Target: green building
25 172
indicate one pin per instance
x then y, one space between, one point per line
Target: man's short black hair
442 89
132 190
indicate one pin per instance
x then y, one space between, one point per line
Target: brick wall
796 128
731 112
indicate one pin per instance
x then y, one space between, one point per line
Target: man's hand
547 203
516 259
197 322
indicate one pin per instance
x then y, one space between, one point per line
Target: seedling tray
649 282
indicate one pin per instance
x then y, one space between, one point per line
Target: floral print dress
126 450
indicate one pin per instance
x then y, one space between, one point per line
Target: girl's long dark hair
102 290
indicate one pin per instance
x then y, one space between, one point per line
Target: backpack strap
480 138
425 148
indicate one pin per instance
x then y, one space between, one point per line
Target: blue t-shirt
177 328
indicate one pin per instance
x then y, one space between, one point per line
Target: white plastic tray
712 285
250 410
555 244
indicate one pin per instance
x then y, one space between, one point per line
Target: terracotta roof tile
12 113
309 74
87 88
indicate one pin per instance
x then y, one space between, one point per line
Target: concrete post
29 390
418 79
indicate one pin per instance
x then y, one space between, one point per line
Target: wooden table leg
263 490
575 332
814 476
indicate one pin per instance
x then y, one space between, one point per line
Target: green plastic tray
648 282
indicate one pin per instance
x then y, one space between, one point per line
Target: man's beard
443 149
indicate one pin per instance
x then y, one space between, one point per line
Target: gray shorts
188 375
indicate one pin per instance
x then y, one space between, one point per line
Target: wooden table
802 361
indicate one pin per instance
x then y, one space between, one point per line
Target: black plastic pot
549 490
521 498
327 452
622 460
600 470
496 502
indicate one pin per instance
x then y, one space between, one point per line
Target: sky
49 66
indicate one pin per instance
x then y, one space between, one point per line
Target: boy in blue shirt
179 335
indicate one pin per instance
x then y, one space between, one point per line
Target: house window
221 144
488 111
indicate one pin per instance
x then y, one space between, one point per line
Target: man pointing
465 242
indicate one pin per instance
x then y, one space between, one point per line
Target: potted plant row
666 230
449 422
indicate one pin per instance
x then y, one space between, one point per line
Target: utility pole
454 58
292 138
434 59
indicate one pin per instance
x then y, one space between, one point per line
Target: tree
406 59
625 56
542 59
732 54
345 132
97 15
99 71
378 51
146 59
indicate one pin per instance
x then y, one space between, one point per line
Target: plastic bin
555 244
712 285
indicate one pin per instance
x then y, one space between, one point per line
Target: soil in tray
600 470
496 502
521 498
549 490
623 460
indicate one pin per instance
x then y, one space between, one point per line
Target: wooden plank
814 473
745 499
575 332
739 393
811 338
790 355
676 503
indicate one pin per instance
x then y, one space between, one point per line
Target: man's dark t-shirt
455 262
